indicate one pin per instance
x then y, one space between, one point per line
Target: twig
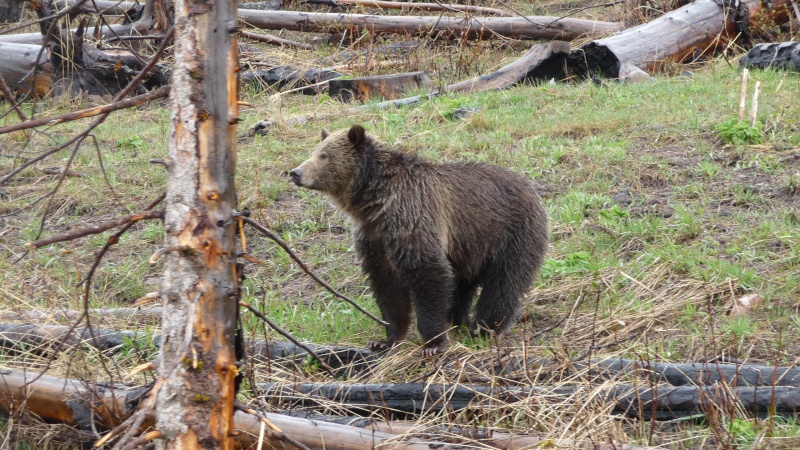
142 440
96 229
274 40
273 430
285 334
9 95
425 7
89 112
266 232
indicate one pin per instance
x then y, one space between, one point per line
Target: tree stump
387 87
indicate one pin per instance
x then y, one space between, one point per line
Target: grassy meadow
659 224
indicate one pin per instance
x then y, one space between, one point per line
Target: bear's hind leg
462 302
506 282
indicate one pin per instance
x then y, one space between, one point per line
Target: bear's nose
296 174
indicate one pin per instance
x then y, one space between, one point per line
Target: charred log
781 55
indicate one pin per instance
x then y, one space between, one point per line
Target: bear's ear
325 134
356 134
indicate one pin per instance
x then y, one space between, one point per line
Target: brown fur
430 235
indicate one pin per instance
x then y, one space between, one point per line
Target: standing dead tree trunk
687 33
197 362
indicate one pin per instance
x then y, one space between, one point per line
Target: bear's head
333 163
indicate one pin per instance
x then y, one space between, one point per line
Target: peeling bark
200 290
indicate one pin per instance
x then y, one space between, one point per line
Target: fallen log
780 55
387 87
91 407
483 435
308 81
407 6
72 314
26 68
698 374
687 33
274 40
41 339
540 62
649 402
531 27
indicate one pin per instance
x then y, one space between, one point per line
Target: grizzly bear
429 235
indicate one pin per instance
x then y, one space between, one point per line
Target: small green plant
573 263
738 133
130 143
708 169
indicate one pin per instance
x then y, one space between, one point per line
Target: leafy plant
130 143
738 133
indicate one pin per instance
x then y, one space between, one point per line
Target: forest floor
660 223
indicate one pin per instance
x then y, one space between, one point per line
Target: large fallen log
687 33
402 400
531 27
26 68
93 407
542 62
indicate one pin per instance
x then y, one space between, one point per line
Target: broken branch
95 229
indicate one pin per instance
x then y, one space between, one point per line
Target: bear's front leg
389 292
431 284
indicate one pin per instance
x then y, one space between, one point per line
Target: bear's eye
323 156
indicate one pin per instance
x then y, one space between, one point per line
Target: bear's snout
296 175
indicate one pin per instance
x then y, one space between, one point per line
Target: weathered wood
40 339
483 435
26 68
697 29
409 6
74 403
780 55
386 87
541 62
531 27
647 402
200 290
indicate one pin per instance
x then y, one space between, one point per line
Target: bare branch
266 232
287 335
89 112
96 229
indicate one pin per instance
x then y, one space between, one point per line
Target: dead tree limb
685 34
532 27
95 229
161 92
281 243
